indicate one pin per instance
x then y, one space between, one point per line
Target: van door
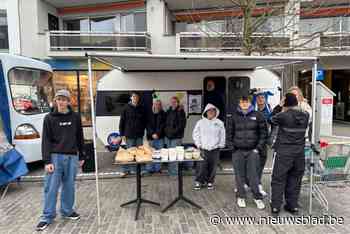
215 93
237 86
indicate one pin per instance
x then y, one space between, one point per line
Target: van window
31 89
111 103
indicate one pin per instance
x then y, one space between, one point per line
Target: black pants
246 165
206 170
287 174
263 158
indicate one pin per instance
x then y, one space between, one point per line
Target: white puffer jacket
209 134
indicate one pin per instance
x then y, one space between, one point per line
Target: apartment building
61 31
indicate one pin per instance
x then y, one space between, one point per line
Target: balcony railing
81 41
335 41
229 42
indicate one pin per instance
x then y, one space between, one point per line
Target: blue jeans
131 142
156 144
172 143
65 171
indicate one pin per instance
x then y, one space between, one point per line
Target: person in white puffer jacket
209 136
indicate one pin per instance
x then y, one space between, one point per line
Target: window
272 24
32 90
310 26
53 22
85 101
111 103
77 25
213 26
103 24
126 22
4 40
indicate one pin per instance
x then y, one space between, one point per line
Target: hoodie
62 133
133 121
292 125
209 134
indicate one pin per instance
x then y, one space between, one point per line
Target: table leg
138 199
180 191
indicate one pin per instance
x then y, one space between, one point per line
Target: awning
147 62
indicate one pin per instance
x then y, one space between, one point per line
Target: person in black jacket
132 127
155 131
248 136
62 149
289 163
174 130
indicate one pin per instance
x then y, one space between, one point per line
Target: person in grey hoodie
209 137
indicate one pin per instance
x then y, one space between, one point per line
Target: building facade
61 31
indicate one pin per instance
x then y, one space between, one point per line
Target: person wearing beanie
62 149
289 162
248 136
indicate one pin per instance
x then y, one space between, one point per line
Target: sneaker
241 203
197 186
261 191
275 212
123 174
210 186
42 226
246 187
73 216
259 204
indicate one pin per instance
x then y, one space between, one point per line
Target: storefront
73 75
339 82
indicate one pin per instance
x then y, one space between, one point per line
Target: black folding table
180 195
139 198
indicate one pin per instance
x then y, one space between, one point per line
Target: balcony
335 41
229 42
75 43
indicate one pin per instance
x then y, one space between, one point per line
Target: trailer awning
148 63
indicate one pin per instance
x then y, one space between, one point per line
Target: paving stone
21 208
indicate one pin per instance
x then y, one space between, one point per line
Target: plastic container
180 154
172 154
164 154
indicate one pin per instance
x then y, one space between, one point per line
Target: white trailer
183 73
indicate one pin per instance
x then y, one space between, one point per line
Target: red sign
327 101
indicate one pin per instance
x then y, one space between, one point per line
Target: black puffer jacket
133 121
175 123
292 126
249 130
156 124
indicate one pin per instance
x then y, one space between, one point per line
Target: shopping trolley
329 166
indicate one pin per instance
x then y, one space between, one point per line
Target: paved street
21 208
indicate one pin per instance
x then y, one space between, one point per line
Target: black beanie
291 100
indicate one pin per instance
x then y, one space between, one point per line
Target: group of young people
251 127
164 128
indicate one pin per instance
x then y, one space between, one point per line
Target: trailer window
31 89
111 103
